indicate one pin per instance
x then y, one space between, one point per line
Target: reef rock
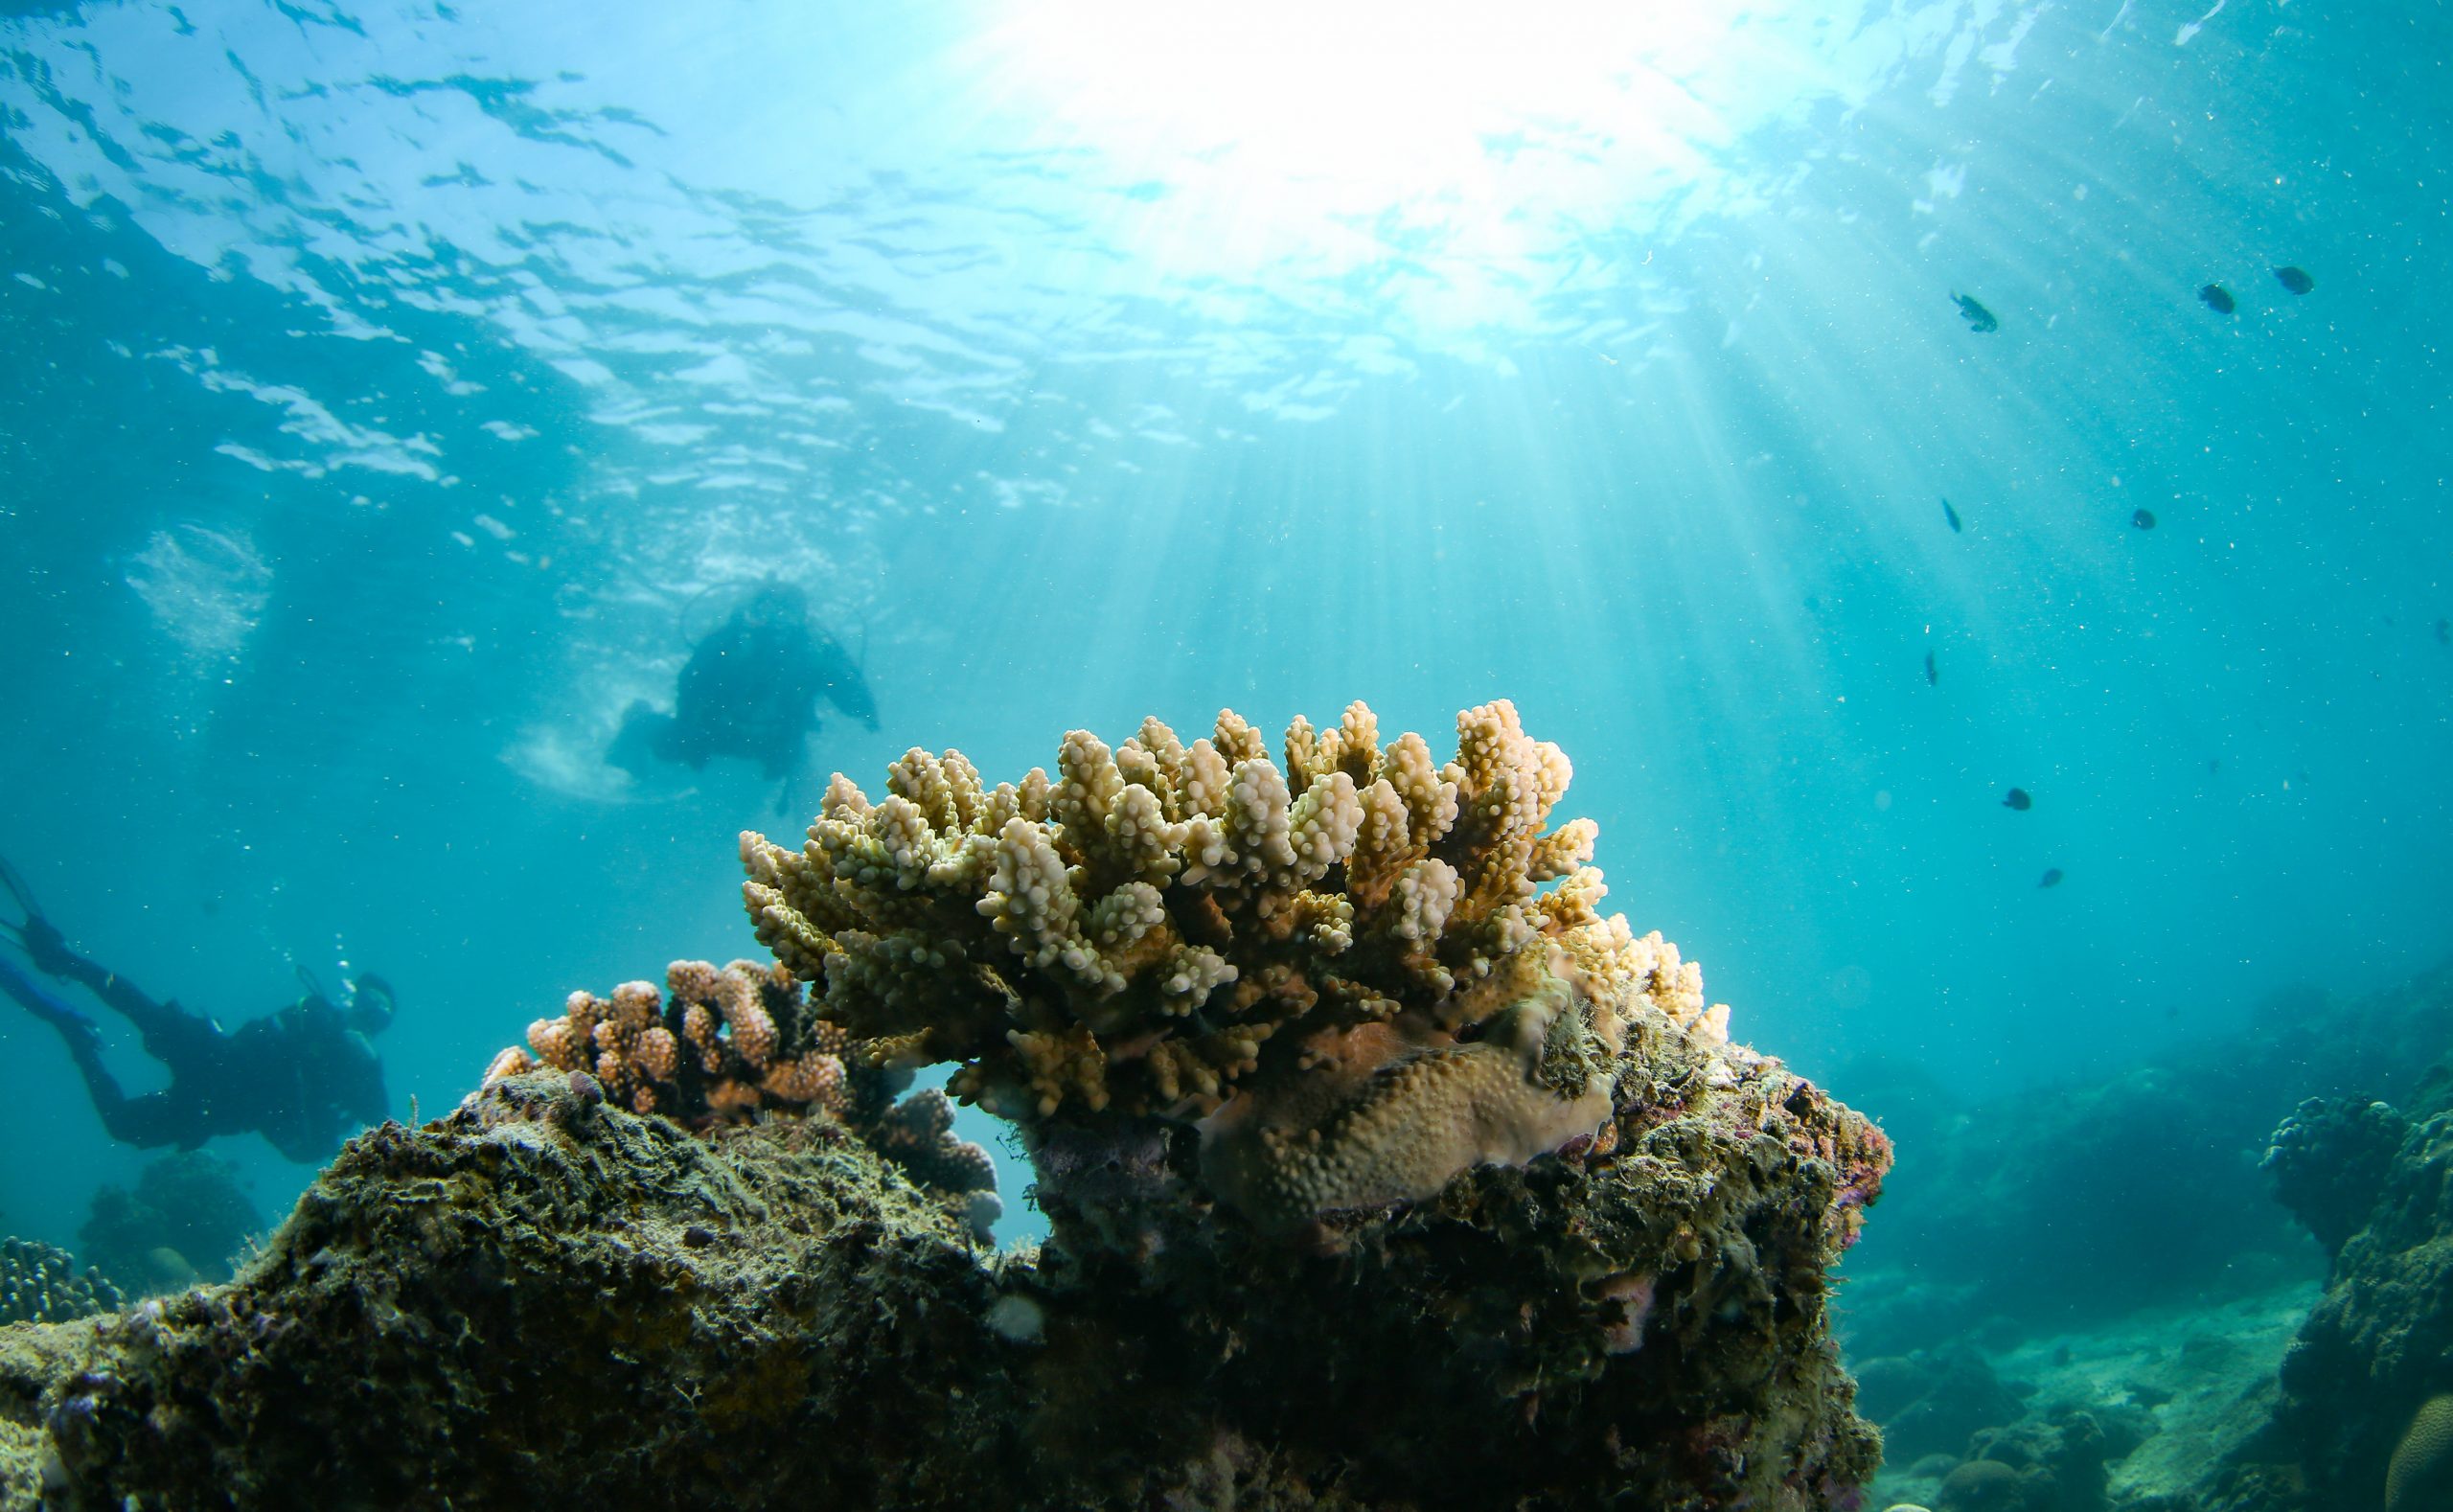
2362 1416
2330 1159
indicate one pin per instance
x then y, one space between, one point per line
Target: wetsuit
301 1077
751 689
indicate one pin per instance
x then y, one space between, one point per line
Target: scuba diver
751 689
305 1076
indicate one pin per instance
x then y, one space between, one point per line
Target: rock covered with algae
1382 1171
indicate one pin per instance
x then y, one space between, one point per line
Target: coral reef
39 1284
2379 1343
2058 1460
2150 1172
1933 1403
1351 969
1983 1486
2328 1162
2359 1386
186 1220
1605 1283
2055 1461
2142 1171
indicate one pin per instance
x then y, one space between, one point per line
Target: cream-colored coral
633 1043
812 1078
1163 922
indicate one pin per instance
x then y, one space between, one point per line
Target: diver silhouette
751 689
304 1076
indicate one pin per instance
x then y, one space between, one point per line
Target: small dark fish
1950 516
1979 318
2296 280
2052 877
2443 631
2215 763
1933 674
2218 299
2018 800
2143 520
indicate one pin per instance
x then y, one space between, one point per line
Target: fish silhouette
1979 318
2143 520
2018 800
1950 516
2052 877
2218 299
2294 279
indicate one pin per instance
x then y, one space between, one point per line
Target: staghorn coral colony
1382 1171
1360 988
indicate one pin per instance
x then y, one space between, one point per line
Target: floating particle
2296 280
2218 299
2019 800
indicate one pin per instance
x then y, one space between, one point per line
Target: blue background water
387 388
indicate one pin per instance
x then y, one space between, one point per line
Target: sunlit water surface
394 392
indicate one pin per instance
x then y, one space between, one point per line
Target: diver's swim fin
18 891
79 1029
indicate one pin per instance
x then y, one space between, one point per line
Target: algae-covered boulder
1382 1171
544 1299
539 1301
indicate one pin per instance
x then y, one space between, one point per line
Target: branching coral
728 1042
1367 971
731 1043
918 1134
39 1284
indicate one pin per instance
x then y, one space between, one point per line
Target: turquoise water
395 393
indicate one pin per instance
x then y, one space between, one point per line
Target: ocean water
392 394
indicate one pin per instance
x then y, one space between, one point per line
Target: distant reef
2363 1415
1382 1171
